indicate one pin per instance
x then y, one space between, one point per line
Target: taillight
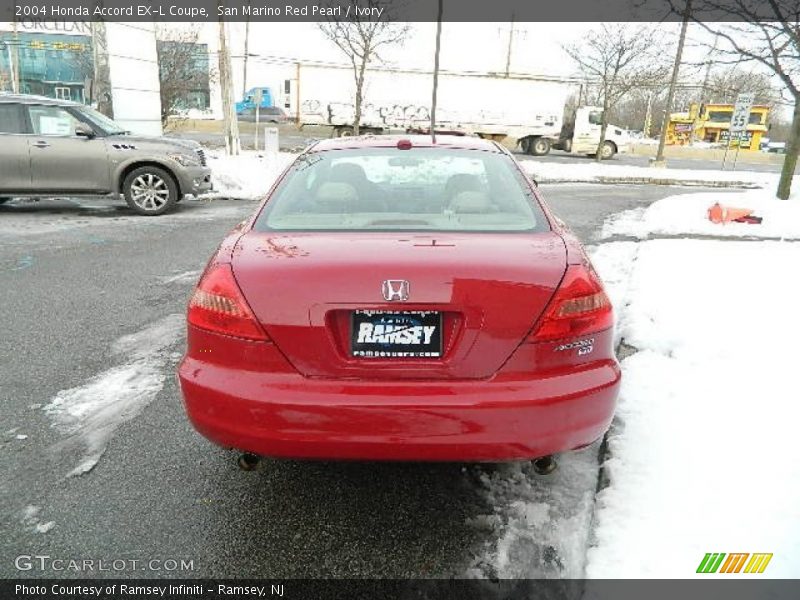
579 307
218 305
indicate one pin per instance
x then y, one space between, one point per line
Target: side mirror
83 130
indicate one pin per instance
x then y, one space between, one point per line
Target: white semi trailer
581 134
517 110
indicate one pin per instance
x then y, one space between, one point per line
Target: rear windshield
385 189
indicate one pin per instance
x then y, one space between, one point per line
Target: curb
610 180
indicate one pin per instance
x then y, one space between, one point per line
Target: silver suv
52 147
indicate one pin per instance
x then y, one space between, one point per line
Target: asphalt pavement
76 279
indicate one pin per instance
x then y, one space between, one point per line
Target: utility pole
510 45
14 57
648 117
708 70
231 125
297 96
659 160
246 52
436 69
703 90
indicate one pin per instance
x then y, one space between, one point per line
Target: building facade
56 65
58 59
711 123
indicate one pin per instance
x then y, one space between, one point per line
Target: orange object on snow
725 214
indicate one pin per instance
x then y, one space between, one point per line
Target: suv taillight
579 307
218 305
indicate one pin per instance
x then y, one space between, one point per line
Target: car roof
32 99
455 142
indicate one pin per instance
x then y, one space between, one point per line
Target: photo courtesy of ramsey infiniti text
399 298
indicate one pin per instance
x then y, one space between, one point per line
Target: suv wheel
150 191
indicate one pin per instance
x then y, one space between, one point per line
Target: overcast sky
537 47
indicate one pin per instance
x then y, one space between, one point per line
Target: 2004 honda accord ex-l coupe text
401 299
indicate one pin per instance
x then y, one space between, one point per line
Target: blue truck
249 100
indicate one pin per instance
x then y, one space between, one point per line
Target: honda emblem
395 290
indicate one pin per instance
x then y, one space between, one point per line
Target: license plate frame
400 334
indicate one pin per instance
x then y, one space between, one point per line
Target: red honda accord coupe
401 299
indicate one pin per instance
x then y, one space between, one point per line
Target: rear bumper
506 418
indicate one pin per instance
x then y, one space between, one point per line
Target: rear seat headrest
335 192
471 202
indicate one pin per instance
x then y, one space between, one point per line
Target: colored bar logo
714 562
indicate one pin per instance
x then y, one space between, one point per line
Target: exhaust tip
544 465
248 461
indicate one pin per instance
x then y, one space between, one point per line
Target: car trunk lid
489 289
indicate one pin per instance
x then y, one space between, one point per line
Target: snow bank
686 214
614 263
247 176
704 456
594 172
704 144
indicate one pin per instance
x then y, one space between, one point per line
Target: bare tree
617 59
361 37
183 68
638 107
726 85
82 63
631 112
765 33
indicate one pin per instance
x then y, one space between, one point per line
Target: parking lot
93 309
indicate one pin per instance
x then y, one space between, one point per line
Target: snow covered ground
687 214
247 176
703 451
